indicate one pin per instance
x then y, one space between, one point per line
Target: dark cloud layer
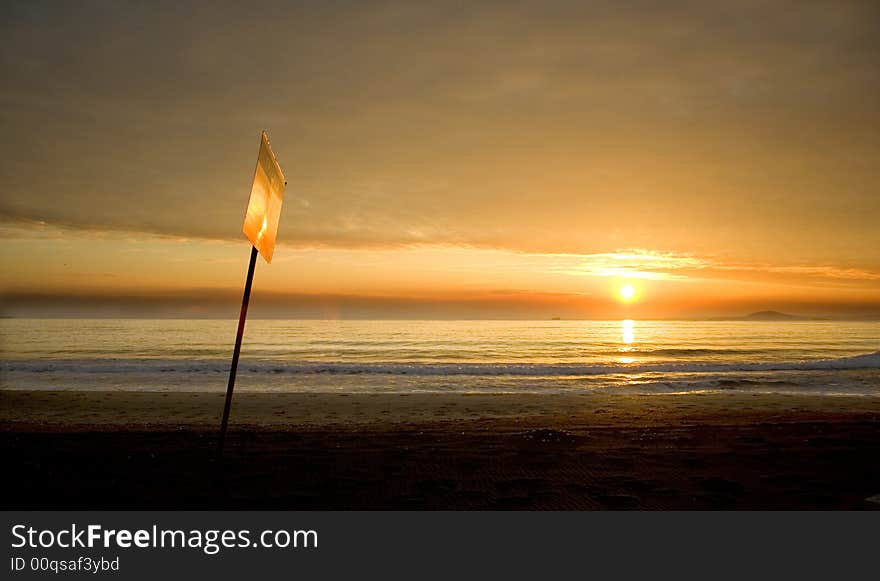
745 128
502 304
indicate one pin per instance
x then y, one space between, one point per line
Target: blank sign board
264 205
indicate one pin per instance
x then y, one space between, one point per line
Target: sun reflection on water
628 337
628 331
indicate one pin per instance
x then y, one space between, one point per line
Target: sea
834 358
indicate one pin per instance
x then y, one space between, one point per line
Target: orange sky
511 160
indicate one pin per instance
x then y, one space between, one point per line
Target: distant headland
768 316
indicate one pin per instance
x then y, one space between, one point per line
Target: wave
211 366
690 351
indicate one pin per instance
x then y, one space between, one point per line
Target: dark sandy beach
96 450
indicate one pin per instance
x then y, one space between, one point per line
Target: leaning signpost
260 227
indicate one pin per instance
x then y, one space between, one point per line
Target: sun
627 292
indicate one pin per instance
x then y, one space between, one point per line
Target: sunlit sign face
264 205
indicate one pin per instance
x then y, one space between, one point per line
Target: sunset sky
486 159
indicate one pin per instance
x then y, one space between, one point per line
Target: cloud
636 263
653 265
539 126
446 263
816 273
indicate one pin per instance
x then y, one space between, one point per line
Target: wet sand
439 451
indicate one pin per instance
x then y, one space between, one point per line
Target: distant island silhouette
771 316
768 316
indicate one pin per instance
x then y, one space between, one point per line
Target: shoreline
124 410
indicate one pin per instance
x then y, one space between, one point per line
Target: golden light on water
628 328
628 337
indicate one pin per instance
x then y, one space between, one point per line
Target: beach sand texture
435 451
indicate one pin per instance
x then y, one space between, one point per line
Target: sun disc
627 291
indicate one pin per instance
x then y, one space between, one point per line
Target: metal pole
241 319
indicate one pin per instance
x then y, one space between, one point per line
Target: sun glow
627 292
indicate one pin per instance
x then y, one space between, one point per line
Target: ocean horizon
819 357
